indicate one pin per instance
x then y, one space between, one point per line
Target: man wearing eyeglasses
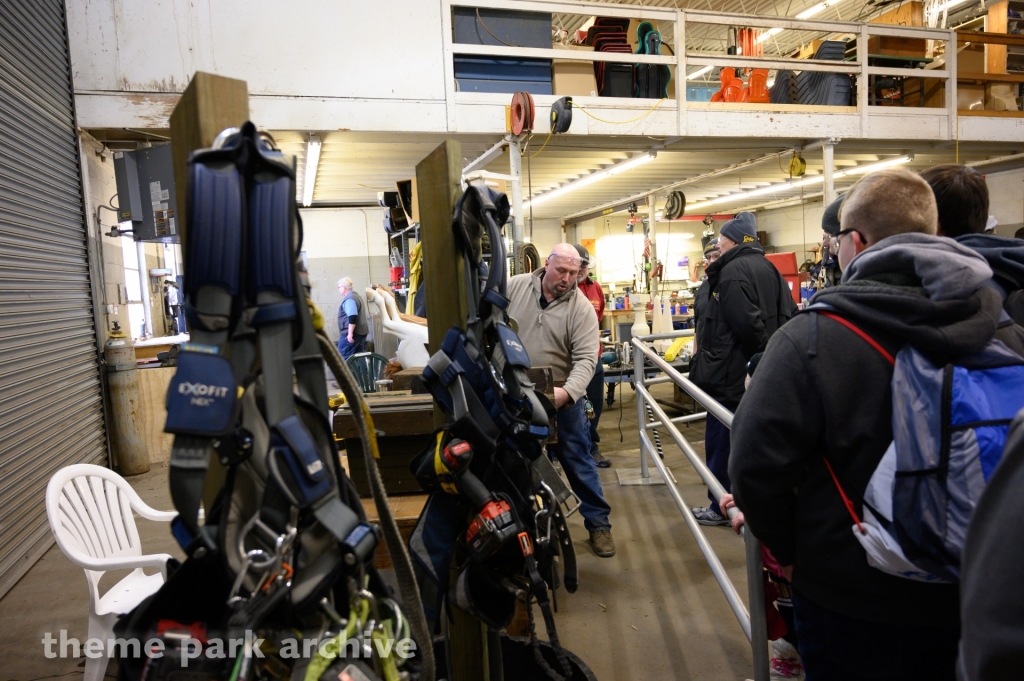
823 393
558 328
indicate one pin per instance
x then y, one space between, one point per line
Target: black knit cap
830 218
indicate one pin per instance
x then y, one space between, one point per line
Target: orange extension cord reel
522 113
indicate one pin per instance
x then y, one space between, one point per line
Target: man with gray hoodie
558 328
822 391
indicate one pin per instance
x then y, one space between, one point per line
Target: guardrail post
680 73
633 476
641 411
863 84
755 600
951 106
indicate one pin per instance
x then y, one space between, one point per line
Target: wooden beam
995 55
209 104
438 190
963 76
989 38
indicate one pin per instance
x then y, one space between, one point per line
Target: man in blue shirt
352 326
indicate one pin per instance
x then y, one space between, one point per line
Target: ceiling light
620 167
699 72
807 14
309 175
803 182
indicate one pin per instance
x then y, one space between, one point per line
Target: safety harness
286 544
490 506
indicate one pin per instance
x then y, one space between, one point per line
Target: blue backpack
949 426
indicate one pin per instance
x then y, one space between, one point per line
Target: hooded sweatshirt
823 391
563 335
1006 258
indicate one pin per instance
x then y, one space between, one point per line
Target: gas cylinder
125 422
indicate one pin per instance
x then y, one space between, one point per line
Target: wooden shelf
992 114
991 77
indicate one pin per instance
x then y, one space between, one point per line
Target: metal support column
515 160
651 233
828 167
147 310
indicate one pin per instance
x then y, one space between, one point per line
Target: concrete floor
653 611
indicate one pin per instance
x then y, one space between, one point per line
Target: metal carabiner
546 513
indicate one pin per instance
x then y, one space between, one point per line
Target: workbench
614 375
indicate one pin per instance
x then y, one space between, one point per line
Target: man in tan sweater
559 329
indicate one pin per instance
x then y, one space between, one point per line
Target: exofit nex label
202 394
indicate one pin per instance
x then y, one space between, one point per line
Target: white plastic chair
90 513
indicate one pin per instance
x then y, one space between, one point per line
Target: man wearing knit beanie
748 301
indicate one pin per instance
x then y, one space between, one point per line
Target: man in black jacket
748 300
822 391
962 198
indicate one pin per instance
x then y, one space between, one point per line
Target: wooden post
209 104
438 186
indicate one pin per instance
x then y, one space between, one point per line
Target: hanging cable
631 120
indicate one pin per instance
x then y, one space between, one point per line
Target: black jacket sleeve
774 434
743 314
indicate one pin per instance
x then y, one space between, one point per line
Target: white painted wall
793 228
343 242
1006 200
344 48
329 55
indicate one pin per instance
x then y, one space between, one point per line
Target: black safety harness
497 423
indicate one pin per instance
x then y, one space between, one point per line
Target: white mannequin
412 346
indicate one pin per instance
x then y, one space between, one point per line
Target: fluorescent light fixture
597 175
309 174
699 72
807 14
803 182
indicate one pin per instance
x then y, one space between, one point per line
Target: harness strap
860 332
850 508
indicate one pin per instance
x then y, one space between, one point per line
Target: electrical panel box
145 193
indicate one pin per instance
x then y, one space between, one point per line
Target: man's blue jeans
834 647
573 450
348 349
595 393
716 453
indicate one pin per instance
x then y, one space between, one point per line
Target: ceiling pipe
622 204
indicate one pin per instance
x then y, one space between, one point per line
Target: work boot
604 545
600 460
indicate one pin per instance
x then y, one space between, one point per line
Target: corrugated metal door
50 396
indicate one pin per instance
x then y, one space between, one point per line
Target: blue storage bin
514 27
491 68
486 74
506 86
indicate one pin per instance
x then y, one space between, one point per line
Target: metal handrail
755 628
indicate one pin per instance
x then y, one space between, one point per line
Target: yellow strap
415 270
441 468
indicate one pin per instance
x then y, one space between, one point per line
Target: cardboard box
971 59
897 47
571 77
907 14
